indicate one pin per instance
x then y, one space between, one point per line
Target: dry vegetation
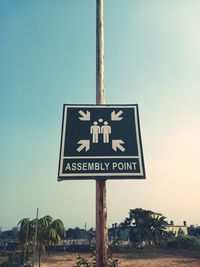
133 259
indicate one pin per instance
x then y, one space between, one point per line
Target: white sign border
93 175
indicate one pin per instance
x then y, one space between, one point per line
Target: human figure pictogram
105 130
95 131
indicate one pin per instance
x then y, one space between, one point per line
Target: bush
182 242
189 242
15 259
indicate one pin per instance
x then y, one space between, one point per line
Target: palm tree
44 224
56 231
146 226
25 236
140 220
158 228
24 225
49 233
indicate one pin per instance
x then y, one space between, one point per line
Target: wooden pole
100 97
101 208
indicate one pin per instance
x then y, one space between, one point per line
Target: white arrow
85 115
83 144
116 116
117 144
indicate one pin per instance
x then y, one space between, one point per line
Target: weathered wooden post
101 208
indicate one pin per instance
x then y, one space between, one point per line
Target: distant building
177 229
117 232
10 234
122 233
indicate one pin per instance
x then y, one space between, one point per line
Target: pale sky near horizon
47 58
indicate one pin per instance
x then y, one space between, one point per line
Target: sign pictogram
101 142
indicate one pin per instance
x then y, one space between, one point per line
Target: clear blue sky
47 58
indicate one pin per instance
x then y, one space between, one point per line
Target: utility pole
101 208
35 239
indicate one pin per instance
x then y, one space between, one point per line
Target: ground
131 259
126 260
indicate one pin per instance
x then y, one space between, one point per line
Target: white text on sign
101 166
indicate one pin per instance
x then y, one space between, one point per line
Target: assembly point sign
101 142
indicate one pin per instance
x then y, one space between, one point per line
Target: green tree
158 228
25 237
145 225
49 232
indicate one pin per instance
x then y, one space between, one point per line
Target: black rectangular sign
101 142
